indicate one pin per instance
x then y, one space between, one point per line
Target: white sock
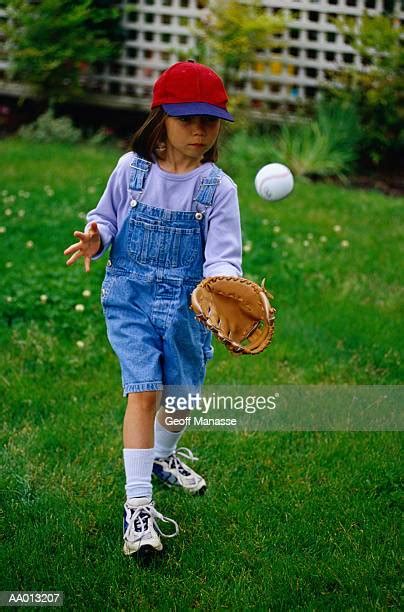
165 442
138 469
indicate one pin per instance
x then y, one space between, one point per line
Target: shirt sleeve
223 248
105 213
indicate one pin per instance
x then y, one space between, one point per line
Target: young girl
172 218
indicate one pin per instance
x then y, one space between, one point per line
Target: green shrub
231 35
377 88
48 128
52 44
326 145
103 136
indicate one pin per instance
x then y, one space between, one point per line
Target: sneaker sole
144 552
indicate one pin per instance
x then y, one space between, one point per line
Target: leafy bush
377 88
52 43
103 136
48 128
326 145
231 33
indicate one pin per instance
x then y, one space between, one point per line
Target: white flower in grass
276 229
247 247
265 221
306 243
9 199
323 238
2 229
86 293
8 298
24 194
81 215
21 213
8 212
4 193
79 307
9 264
309 236
29 244
91 190
290 240
43 298
337 228
344 244
80 344
274 244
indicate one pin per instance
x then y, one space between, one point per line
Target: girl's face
189 138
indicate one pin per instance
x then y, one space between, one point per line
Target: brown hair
152 134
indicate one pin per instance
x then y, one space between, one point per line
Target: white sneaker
141 533
175 472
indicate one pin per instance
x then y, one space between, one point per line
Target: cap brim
196 108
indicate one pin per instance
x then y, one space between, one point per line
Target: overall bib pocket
159 245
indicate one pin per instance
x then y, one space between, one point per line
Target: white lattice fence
160 31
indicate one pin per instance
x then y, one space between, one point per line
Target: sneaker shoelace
138 520
176 463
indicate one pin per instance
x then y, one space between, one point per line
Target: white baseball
274 182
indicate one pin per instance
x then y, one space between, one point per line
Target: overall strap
207 188
140 171
204 198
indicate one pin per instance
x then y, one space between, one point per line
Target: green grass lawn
307 520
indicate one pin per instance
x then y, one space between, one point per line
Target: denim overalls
156 261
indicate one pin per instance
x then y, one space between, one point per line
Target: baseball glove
237 311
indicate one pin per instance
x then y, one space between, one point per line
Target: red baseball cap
189 88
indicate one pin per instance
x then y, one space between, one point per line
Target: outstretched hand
88 245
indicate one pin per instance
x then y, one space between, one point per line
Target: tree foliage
52 43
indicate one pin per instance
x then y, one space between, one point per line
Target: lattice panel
312 48
159 32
